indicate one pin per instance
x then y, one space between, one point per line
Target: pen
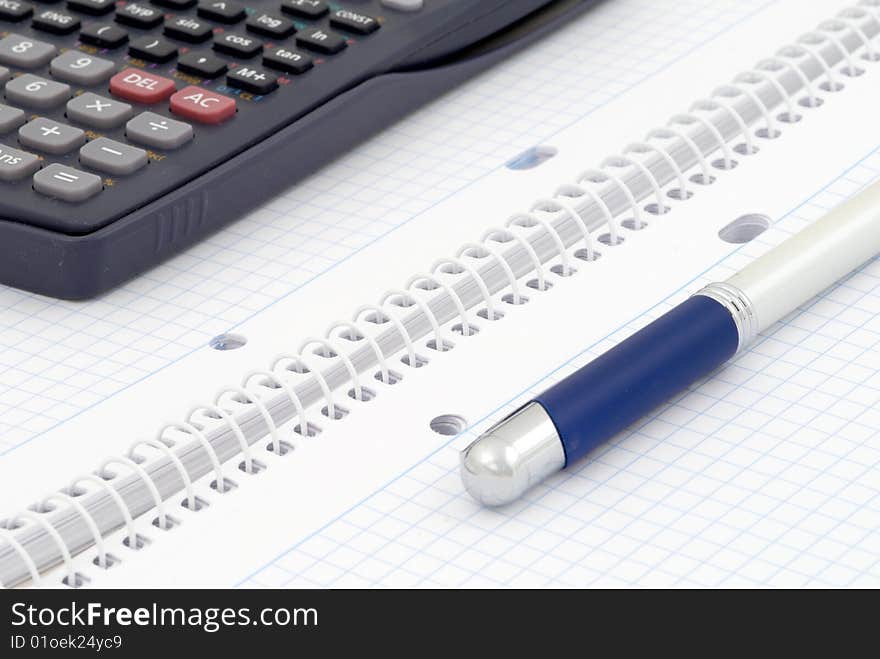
587 408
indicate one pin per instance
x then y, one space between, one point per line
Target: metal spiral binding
462 290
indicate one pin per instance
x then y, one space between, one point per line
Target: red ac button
203 106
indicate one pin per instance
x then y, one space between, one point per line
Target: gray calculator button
151 129
24 52
10 118
66 183
81 69
4 75
98 111
15 164
35 92
50 136
112 157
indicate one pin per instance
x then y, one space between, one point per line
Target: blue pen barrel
623 385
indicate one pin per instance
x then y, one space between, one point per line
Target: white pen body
811 261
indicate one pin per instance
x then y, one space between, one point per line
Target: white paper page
293 501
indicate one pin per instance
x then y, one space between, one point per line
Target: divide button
141 87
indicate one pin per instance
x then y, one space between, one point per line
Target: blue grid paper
60 358
765 474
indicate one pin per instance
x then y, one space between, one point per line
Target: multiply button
203 106
154 130
66 183
98 111
141 87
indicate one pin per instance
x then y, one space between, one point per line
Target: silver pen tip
511 457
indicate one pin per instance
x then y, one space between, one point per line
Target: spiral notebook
333 463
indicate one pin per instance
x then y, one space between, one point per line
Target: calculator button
404 5
81 69
202 106
103 35
345 19
56 22
15 164
153 49
222 11
204 65
305 8
175 4
10 118
24 52
321 41
92 7
141 87
138 15
253 80
154 130
237 44
15 10
112 157
35 92
98 111
66 183
270 26
188 29
287 60
50 136
4 75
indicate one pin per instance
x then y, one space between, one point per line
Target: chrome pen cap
512 456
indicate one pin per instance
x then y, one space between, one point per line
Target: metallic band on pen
740 307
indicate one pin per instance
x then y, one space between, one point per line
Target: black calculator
129 130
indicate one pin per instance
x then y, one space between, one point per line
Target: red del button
141 87
203 106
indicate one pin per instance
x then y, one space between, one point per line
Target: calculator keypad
116 89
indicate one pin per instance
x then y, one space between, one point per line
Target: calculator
130 130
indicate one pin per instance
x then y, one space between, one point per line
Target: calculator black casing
83 265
